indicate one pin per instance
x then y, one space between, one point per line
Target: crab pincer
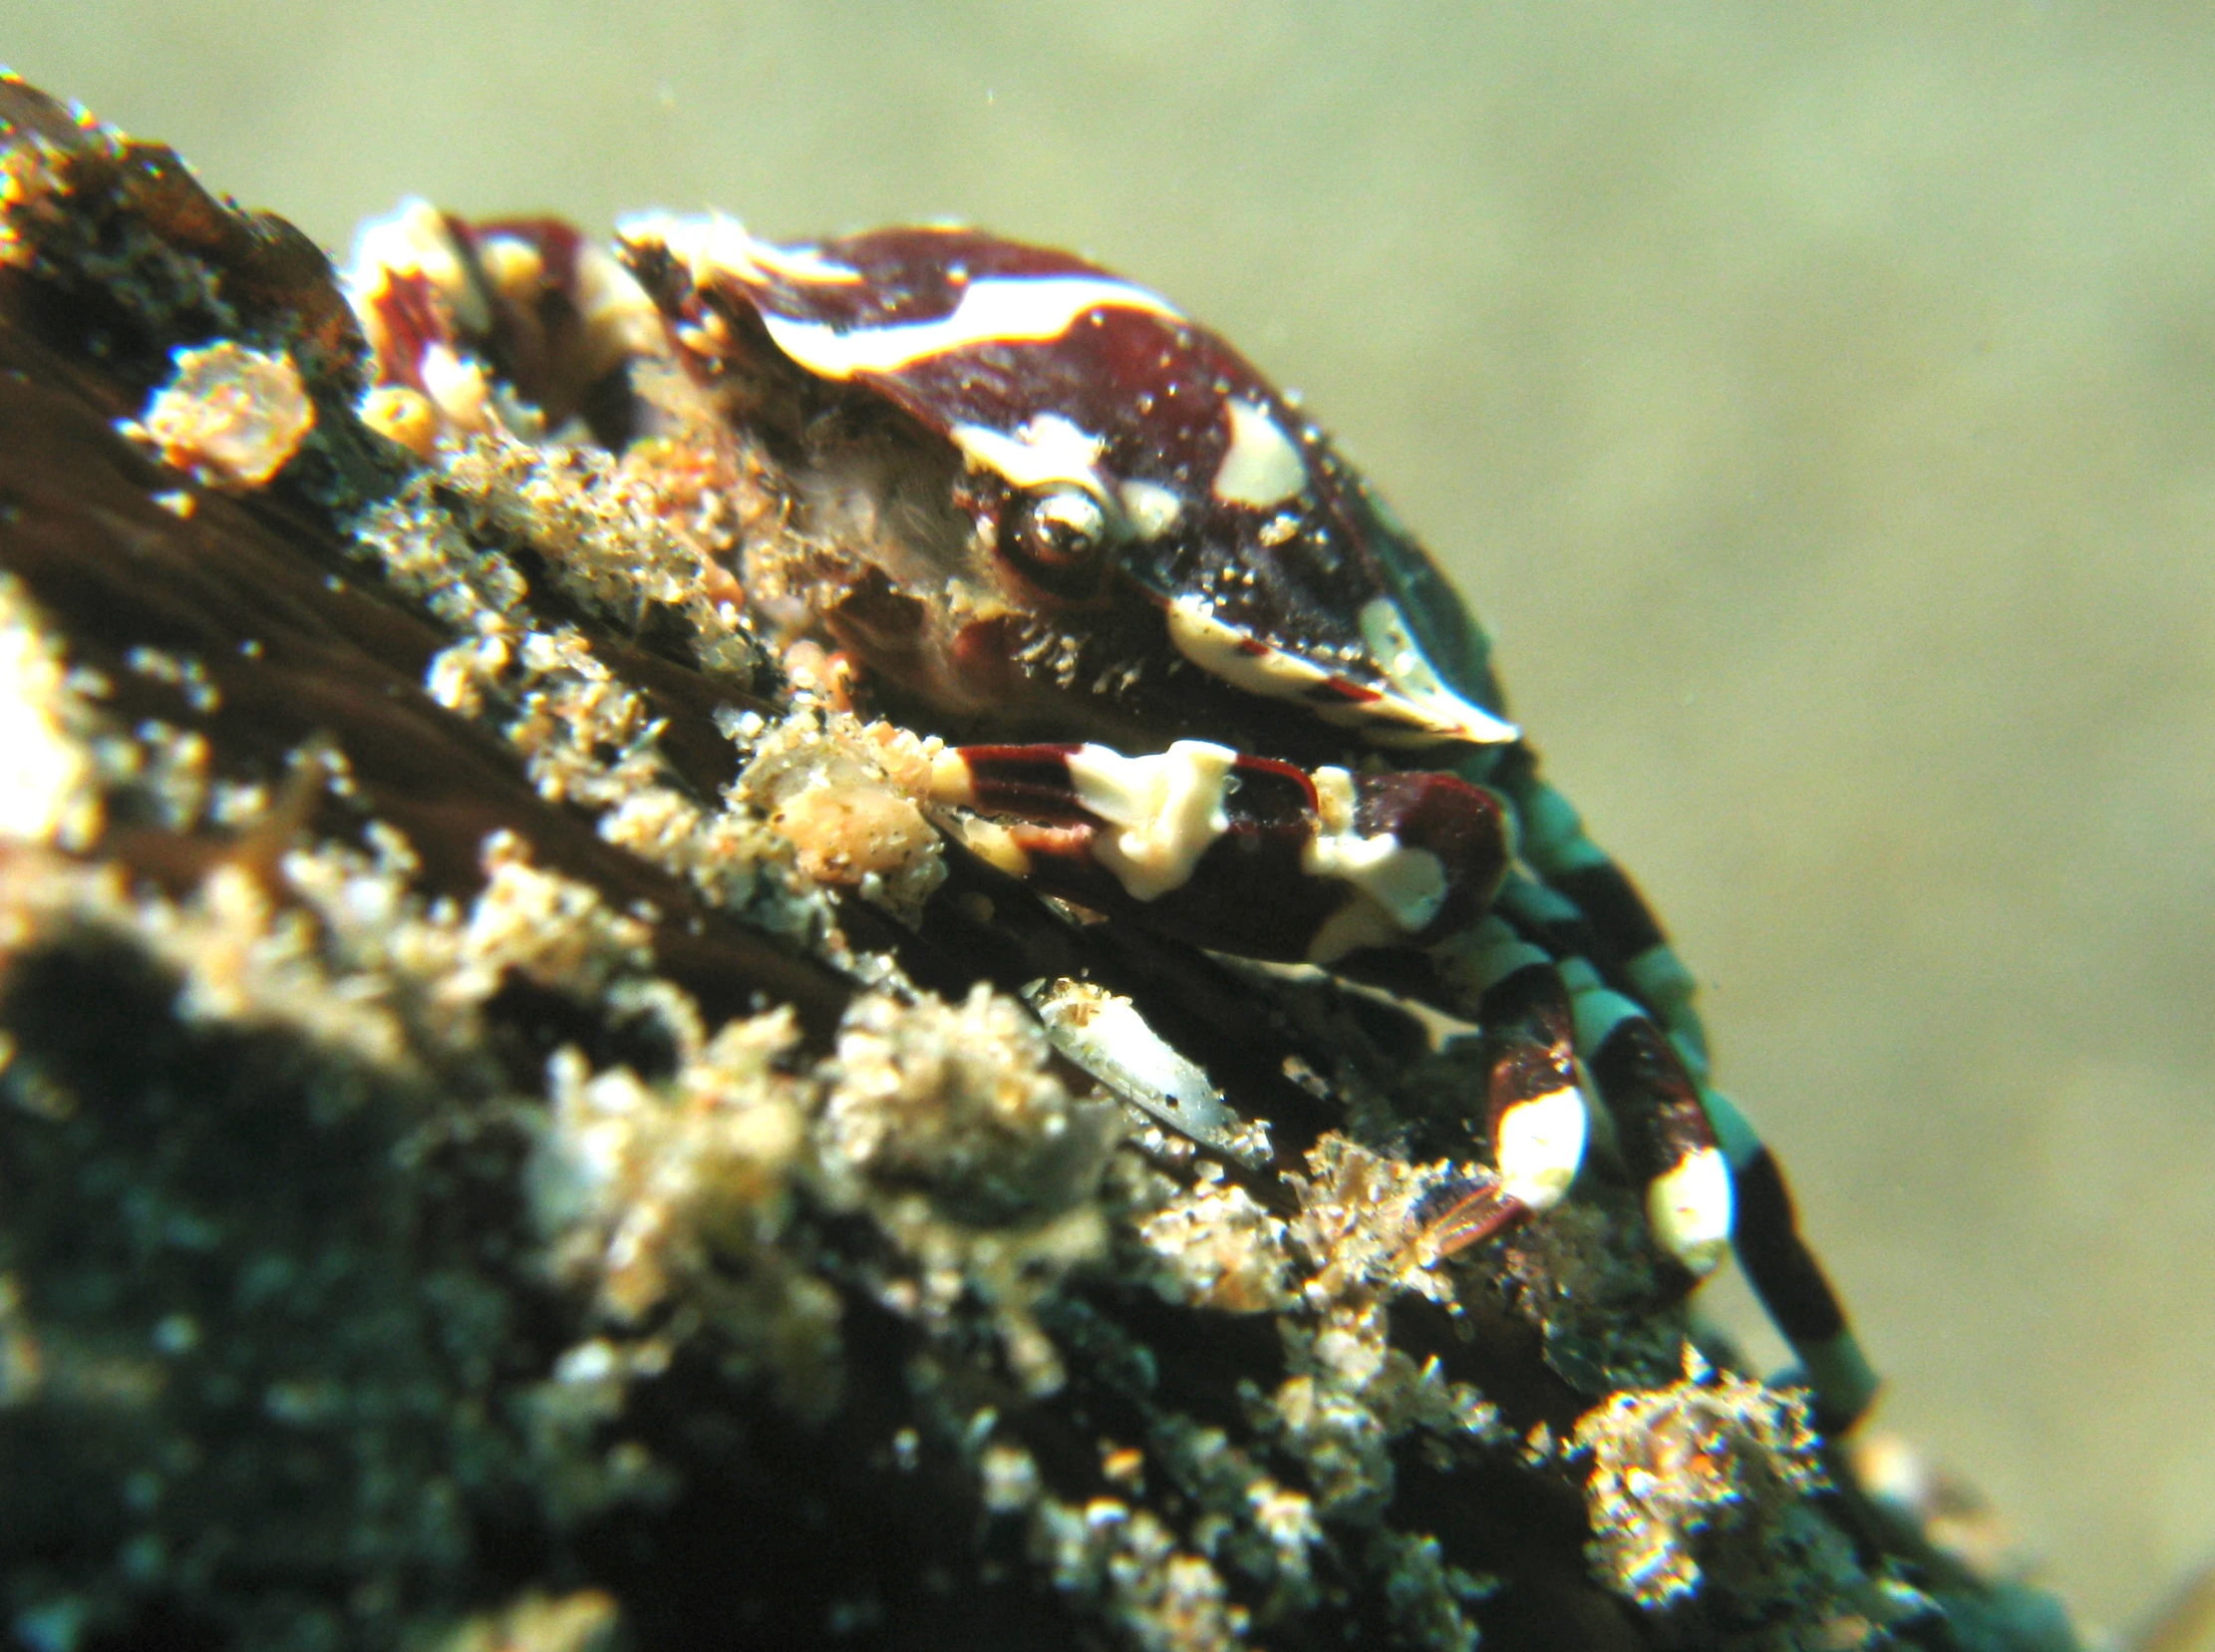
1242 853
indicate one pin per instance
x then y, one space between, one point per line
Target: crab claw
1264 859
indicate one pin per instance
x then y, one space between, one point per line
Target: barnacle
231 417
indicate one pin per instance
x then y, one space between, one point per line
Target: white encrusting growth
1261 467
1047 449
1168 807
1107 1036
1689 1207
1538 1146
49 792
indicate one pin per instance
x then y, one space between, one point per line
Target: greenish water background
1818 402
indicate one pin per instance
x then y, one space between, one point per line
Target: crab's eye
1056 537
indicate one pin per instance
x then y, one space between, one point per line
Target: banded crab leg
1708 1174
1621 935
1261 857
1535 1101
1275 862
1541 1013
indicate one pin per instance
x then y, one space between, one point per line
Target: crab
1193 672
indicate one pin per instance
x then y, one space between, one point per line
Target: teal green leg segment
1786 1275
1633 1078
1629 946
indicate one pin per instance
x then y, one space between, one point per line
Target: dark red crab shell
1274 567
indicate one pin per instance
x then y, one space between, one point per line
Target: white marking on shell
1151 509
1396 890
1358 924
1334 797
1420 687
805 264
1047 449
457 386
620 321
616 309
1219 650
950 782
1170 808
1408 885
1262 468
1538 1146
991 843
413 241
513 264
712 242
1018 309
1688 1208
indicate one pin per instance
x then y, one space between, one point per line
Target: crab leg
1707 1175
1666 1140
1624 940
1240 853
1539 1002
1784 1274
1536 1112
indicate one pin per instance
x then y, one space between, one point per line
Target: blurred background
1819 404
